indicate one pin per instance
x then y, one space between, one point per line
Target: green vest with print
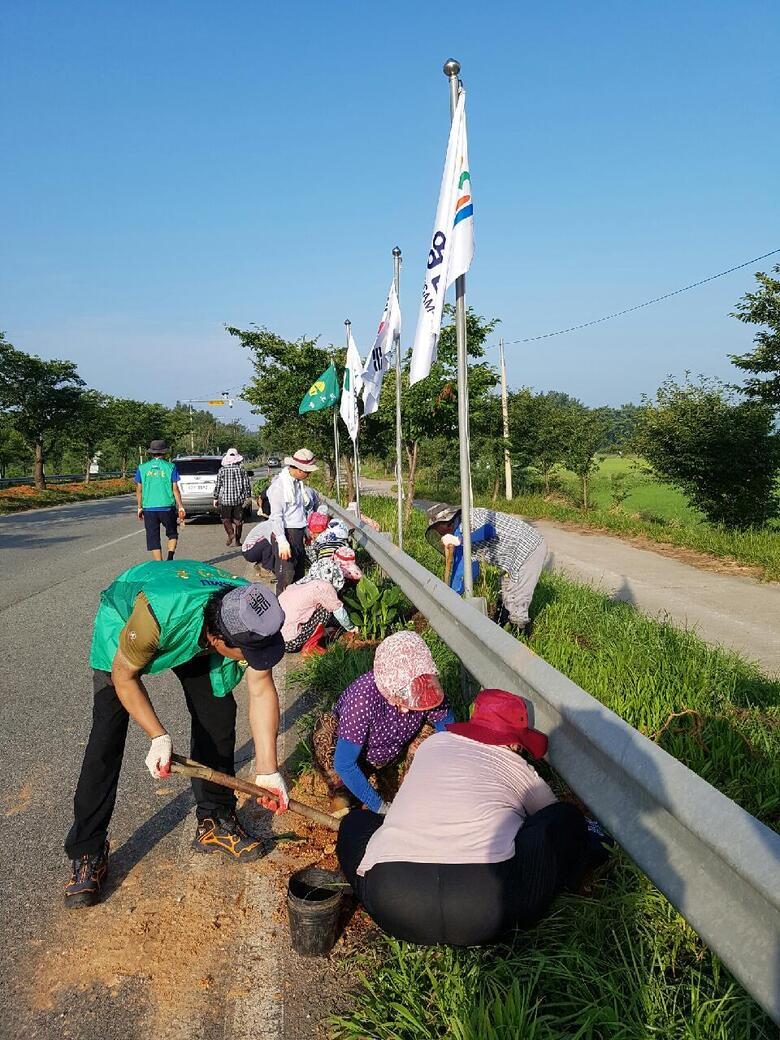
156 486
177 591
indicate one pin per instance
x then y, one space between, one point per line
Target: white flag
452 244
353 383
378 361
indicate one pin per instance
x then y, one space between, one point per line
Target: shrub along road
736 612
186 946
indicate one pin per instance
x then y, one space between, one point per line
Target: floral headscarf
325 569
405 672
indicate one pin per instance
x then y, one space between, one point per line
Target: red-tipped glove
278 799
158 761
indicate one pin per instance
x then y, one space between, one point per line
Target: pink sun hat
346 560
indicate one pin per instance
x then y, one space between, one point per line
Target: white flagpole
355 454
399 473
336 449
451 70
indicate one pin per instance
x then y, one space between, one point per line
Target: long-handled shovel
186 767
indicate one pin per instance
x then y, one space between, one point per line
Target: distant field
648 495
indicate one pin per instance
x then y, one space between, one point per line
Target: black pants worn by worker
169 519
213 743
289 571
467 904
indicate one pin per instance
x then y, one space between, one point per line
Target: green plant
374 610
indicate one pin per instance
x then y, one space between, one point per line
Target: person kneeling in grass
312 604
475 843
377 722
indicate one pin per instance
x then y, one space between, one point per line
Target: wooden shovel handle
186 767
447 563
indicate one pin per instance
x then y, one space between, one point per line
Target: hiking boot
88 874
226 836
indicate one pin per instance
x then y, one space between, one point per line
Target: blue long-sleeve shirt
497 539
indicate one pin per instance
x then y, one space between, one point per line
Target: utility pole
505 415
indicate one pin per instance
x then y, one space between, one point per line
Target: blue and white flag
452 244
378 361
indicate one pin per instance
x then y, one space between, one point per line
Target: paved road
734 612
127 968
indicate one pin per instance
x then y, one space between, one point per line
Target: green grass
653 510
620 963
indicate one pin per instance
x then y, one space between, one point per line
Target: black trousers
213 743
467 904
169 518
261 552
289 571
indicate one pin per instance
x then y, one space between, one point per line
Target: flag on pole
377 362
353 383
322 393
452 244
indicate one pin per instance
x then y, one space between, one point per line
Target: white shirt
290 502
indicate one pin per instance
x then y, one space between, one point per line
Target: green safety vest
156 486
177 591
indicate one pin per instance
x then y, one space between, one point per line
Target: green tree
284 371
40 396
762 308
539 428
88 427
724 455
14 450
585 432
130 426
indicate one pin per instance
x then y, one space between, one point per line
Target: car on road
274 462
197 479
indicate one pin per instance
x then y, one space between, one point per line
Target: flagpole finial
347 321
451 68
396 251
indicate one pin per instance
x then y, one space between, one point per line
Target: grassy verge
619 962
14 500
755 548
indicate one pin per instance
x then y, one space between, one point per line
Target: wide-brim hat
232 457
157 448
501 718
302 459
437 513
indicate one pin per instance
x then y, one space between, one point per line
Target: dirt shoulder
26 497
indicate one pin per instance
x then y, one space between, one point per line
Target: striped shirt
497 539
232 487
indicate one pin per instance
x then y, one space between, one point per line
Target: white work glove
450 539
383 808
278 799
158 761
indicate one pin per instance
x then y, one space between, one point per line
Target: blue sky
172 167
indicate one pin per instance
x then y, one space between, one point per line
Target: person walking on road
290 503
204 624
498 539
158 499
231 492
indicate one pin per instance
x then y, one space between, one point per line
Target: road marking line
105 545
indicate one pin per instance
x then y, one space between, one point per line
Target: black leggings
289 571
213 743
321 616
467 904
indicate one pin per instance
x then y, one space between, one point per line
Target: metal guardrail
715 862
57 478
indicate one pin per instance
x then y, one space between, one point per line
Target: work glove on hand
158 761
278 799
450 539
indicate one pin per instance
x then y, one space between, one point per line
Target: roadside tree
723 454
762 308
584 436
41 398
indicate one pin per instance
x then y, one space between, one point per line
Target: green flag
322 393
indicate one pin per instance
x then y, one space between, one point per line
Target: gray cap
252 618
440 511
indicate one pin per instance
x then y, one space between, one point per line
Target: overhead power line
647 303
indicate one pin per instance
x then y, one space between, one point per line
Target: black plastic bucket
313 907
